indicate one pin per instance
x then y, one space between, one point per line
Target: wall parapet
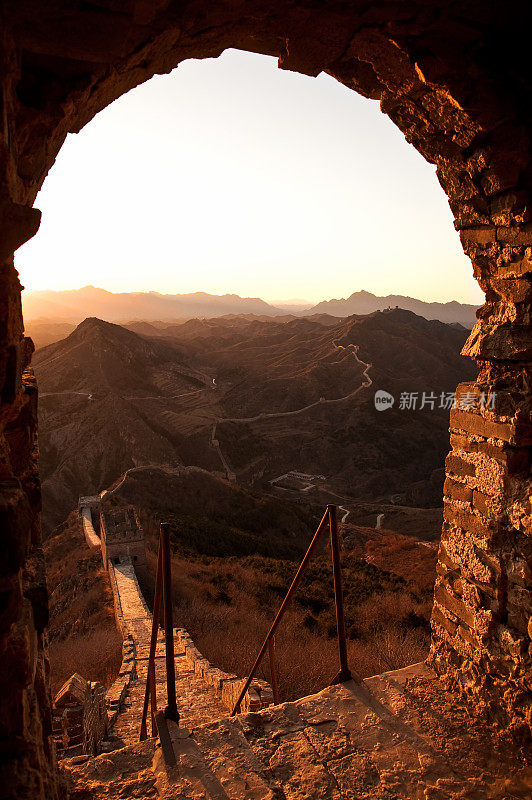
91 537
116 693
226 686
79 717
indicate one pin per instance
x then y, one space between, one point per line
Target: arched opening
455 86
323 451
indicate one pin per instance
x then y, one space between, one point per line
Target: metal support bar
153 697
273 671
166 740
280 613
344 674
171 708
150 689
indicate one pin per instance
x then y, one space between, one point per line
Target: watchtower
122 535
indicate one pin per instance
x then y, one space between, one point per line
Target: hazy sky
230 175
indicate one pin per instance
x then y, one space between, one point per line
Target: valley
249 400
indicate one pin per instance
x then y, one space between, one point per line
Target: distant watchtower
122 535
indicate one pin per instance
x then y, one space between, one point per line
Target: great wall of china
204 692
397 734
452 77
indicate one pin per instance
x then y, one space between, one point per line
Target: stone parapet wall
79 717
116 693
228 687
91 537
482 616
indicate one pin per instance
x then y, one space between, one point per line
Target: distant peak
92 324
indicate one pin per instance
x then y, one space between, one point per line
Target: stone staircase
397 736
198 702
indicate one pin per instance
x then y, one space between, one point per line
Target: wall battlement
121 536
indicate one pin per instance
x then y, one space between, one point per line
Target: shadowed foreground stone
396 736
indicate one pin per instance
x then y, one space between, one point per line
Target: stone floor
398 736
197 703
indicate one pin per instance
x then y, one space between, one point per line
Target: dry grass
83 634
228 604
97 656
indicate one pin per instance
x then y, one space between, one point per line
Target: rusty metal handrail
163 591
344 673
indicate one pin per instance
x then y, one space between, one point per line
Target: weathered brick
480 502
467 635
521 236
450 626
516 459
468 521
457 466
457 491
481 234
514 433
460 442
454 605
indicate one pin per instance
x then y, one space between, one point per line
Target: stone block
468 521
480 234
454 465
515 459
201 666
481 503
518 236
457 491
454 605
252 700
519 432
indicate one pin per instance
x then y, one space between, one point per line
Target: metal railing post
153 697
171 708
344 674
280 613
273 671
150 680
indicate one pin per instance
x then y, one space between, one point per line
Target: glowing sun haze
230 175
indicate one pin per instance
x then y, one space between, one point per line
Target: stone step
216 762
398 735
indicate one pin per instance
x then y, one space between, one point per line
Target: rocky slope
97 388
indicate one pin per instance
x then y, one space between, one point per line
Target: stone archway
452 77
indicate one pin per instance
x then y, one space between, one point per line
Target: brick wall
228 687
79 717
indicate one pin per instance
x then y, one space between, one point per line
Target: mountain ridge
363 302
112 399
74 305
71 305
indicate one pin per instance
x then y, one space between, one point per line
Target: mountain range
74 305
112 399
46 311
365 303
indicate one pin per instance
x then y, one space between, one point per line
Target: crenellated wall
454 78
